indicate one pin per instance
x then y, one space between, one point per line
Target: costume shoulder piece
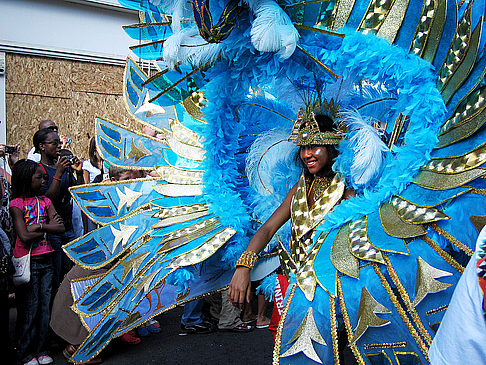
405 82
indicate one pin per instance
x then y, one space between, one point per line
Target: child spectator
33 216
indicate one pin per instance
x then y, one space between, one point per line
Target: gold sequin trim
401 311
437 310
443 254
334 334
278 335
385 345
452 239
347 324
406 299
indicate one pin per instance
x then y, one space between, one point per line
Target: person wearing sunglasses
45 124
59 173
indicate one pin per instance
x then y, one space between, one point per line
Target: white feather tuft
264 169
369 149
272 29
188 45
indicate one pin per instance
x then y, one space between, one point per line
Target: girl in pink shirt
33 216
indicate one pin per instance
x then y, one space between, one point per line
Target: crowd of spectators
38 217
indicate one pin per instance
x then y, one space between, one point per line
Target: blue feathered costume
408 77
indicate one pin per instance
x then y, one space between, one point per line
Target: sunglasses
53 128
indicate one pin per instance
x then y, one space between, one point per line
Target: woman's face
51 146
37 181
315 158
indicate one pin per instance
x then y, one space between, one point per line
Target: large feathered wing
387 260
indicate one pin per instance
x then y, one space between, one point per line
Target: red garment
278 303
30 212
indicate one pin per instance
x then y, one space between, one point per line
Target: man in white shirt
461 337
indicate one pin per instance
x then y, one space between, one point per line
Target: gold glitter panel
185 235
174 175
424 25
393 21
184 134
182 149
359 243
465 66
305 219
179 219
426 280
415 214
435 181
368 307
454 165
472 104
193 104
205 250
341 13
375 15
457 50
180 210
394 226
436 30
303 337
463 130
341 257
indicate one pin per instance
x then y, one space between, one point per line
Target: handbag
22 264
22 269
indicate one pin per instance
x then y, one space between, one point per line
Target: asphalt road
169 347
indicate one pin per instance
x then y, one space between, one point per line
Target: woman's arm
86 176
239 289
55 188
21 228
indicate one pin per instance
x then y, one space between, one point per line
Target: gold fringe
334 334
452 239
408 303
347 323
278 335
401 311
443 254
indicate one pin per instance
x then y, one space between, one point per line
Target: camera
10 149
70 159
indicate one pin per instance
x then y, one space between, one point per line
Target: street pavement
169 347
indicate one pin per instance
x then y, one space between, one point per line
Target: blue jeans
192 313
61 263
33 312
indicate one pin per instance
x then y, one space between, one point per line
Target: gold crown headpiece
306 130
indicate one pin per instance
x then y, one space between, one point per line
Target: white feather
260 169
368 148
188 45
272 29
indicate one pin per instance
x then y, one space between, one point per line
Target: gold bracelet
247 259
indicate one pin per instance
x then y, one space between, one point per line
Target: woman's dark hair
22 173
326 124
93 158
40 137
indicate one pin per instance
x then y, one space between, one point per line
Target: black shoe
201 328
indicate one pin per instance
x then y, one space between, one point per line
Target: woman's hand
62 164
240 288
77 165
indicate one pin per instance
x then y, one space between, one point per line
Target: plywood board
37 76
